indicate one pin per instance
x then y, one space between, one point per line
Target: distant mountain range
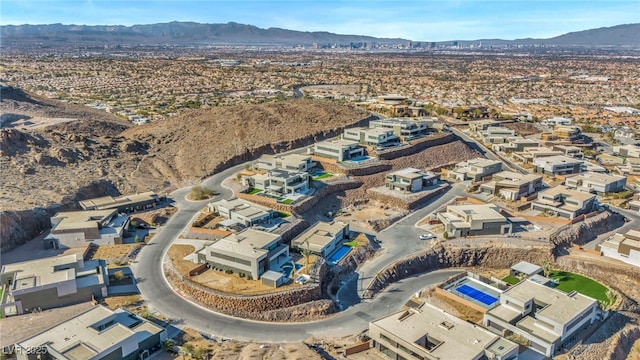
190 33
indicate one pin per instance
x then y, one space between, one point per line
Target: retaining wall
416 146
413 203
257 307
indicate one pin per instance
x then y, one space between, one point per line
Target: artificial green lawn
510 279
287 201
323 176
568 282
254 191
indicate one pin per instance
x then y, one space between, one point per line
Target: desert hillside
195 144
47 156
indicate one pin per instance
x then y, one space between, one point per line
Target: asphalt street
402 240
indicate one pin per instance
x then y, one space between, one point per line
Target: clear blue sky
412 19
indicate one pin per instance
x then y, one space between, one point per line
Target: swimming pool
338 255
476 294
359 159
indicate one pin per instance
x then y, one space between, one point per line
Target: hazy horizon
414 20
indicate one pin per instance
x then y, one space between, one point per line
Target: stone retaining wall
413 203
267 307
416 146
308 203
446 257
586 230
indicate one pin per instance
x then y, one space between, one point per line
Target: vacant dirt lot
113 251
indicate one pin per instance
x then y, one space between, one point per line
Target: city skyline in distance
413 20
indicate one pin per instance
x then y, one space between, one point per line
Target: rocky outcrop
13 141
446 257
587 230
18 227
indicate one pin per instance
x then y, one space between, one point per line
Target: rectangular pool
476 294
338 255
359 159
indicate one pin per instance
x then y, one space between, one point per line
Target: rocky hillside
51 152
195 144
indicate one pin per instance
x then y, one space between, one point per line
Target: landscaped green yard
287 201
568 282
352 243
322 176
283 214
253 191
510 279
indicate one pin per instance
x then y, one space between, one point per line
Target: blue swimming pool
476 294
359 159
338 255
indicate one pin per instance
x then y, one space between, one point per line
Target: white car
427 236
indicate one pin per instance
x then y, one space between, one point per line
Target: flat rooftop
320 234
338 143
81 337
480 162
560 306
107 202
449 336
484 212
248 242
40 272
558 160
568 193
630 240
409 173
599 178
510 177
81 219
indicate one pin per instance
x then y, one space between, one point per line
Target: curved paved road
161 297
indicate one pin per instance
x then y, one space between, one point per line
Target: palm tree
612 297
306 253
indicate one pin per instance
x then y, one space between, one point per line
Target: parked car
427 236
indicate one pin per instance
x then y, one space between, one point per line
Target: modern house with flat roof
250 252
530 153
566 132
515 144
98 333
290 162
631 166
623 247
557 121
475 169
480 125
431 333
634 204
374 137
564 202
469 220
596 183
511 185
410 180
548 318
243 212
322 238
280 181
496 135
629 151
123 204
79 228
557 165
339 150
570 151
51 282
404 128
